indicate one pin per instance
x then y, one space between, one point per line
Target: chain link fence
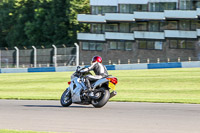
44 57
66 56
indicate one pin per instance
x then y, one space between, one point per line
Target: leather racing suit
100 71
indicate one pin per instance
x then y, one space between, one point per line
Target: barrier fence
54 56
37 57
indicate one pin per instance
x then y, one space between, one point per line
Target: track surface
115 117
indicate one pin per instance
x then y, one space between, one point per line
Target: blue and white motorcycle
78 93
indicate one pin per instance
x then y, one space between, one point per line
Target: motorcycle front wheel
66 99
103 99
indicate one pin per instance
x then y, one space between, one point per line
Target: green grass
158 85
17 131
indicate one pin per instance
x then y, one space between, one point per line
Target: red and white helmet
97 58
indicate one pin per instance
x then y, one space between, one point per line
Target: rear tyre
103 99
66 99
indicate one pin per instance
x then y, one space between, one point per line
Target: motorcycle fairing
99 82
76 88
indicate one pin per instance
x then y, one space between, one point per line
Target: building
132 31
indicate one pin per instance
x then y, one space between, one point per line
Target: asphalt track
115 117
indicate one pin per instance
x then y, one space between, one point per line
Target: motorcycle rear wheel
66 99
105 95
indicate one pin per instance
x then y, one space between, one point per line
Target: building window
93 46
154 7
172 25
188 25
185 4
120 45
193 25
142 26
198 25
189 4
103 9
130 8
109 9
158 45
85 45
163 26
153 45
173 44
143 44
96 28
139 26
111 27
99 46
182 44
113 45
190 44
96 10
197 4
160 7
150 45
124 27
124 8
184 25
154 26
128 45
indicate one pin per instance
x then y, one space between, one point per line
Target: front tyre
66 99
103 99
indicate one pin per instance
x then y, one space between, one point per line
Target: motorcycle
78 93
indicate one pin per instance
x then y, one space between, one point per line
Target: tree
6 10
78 7
41 22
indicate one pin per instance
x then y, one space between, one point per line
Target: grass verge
157 85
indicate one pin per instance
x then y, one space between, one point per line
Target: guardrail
109 67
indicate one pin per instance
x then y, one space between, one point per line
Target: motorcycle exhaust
112 94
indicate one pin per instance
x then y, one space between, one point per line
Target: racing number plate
111 86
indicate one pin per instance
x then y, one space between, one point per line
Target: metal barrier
37 57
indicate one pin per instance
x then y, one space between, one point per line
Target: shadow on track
56 106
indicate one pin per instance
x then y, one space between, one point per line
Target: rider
98 68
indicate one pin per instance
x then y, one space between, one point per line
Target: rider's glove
83 70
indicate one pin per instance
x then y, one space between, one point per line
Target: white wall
133 1
190 64
14 70
119 17
90 36
103 2
91 18
120 36
149 35
65 69
131 66
149 15
180 34
180 14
